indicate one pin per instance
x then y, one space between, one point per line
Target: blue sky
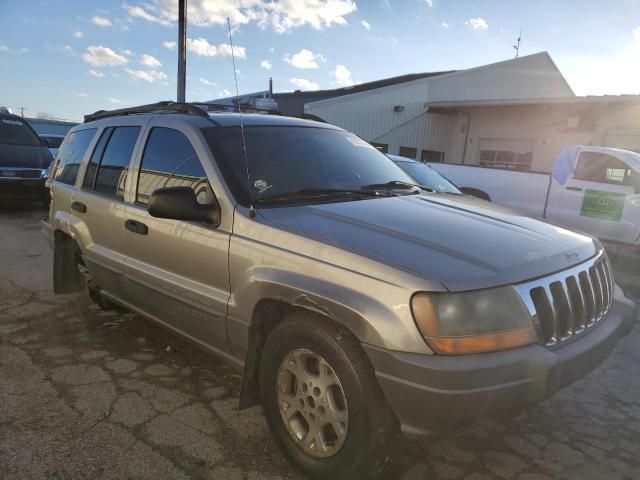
68 58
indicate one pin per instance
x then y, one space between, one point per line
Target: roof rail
166 106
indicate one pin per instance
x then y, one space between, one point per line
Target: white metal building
516 113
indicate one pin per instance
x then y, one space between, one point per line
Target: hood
22 156
464 243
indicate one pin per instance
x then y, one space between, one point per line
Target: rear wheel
322 401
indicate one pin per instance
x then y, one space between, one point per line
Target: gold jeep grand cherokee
357 303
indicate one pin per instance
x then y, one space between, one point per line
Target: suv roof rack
235 107
166 106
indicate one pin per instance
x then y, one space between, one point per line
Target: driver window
600 167
169 160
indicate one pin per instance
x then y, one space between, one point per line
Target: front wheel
322 401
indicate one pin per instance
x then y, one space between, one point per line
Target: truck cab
600 196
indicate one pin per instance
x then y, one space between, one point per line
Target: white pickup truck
591 189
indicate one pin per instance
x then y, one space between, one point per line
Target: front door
177 271
599 199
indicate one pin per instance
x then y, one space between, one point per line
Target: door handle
79 207
575 189
136 227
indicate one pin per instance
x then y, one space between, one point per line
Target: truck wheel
66 274
321 400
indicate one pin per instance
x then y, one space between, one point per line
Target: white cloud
304 59
477 23
115 100
80 94
150 61
282 16
148 14
202 48
3 48
95 73
224 93
147 75
444 25
126 52
365 24
304 84
78 34
342 76
429 3
636 32
209 83
266 64
101 21
170 45
100 56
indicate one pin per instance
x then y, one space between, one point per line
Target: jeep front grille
570 302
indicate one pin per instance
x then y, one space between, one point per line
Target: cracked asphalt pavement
109 395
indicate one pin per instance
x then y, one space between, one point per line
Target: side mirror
179 203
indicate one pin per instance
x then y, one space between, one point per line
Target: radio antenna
252 212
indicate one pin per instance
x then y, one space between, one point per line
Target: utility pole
182 49
517 45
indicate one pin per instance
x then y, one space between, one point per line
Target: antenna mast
517 45
252 212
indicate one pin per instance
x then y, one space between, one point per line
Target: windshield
52 141
427 176
285 160
14 131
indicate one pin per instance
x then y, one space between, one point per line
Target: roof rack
235 107
166 106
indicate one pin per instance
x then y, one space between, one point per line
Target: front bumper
436 394
22 188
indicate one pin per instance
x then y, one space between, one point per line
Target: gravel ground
97 395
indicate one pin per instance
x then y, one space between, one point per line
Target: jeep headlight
473 322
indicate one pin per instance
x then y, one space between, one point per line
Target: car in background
24 160
53 142
424 175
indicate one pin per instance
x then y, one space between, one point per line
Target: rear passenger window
169 160
114 161
92 168
70 155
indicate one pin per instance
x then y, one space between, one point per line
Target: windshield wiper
311 192
394 184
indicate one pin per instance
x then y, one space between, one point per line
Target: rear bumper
435 394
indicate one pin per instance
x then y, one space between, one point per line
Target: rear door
98 205
598 199
177 271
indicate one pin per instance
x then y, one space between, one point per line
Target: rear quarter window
70 155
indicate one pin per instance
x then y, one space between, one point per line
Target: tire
356 444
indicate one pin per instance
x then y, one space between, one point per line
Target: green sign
603 205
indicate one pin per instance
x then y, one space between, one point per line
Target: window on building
408 152
601 167
169 160
70 155
382 147
508 159
432 156
112 170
